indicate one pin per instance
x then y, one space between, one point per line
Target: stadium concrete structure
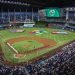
37 37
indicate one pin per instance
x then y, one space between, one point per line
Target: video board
52 12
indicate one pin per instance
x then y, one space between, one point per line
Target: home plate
19 55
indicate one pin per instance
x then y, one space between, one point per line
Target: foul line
12 48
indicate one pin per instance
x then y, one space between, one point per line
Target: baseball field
18 47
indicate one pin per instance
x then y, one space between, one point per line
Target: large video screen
52 12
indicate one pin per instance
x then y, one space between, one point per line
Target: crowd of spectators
62 63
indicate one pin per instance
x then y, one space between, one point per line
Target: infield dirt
46 42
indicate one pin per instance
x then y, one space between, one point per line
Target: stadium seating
62 63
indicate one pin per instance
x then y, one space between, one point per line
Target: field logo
52 12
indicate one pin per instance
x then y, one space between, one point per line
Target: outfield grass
24 46
9 55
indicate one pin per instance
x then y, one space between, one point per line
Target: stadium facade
64 17
18 12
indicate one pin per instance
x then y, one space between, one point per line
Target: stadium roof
35 4
52 3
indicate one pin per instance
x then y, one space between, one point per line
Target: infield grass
29 45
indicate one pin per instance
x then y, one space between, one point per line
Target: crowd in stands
62 63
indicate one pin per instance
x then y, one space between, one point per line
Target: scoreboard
50 12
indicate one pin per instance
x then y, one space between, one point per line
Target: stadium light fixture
14 2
